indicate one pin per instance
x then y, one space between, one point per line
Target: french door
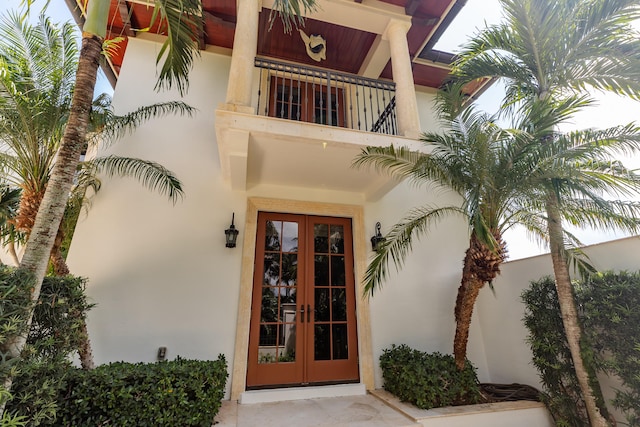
303 322
307 101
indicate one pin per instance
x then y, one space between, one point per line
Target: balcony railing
314 95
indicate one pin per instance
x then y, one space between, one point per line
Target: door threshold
300 393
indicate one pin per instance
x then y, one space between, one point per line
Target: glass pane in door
277 342
330 302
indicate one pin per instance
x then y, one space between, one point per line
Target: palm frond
110 127
399 240
291 13
183 21
152 175
547 48
9 202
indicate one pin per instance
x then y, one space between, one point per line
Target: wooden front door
303 321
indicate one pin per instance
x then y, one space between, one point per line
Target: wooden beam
426 21
218 20
76 12
125 15
412 6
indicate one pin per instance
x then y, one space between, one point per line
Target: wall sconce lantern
231 234
377 240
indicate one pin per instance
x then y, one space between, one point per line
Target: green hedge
174 393
609 310
428 380
610 303
57 317
551 355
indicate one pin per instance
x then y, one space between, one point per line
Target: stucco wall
507 354
415 305
151 264
160 274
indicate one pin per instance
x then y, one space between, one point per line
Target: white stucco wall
507 353
161 275
151 265
415 305
426 110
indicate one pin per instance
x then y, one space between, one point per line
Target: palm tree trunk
84 350
29 205
481 265
58 262
60 268
43 234
468 292
568 308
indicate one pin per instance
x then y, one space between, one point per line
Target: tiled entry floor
350 411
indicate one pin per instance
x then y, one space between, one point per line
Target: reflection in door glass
337 270
290 237
337 239
277 342
271 269
322 305
289 273
272 236
340 350
330 331
321 270
338 305
322 342
321 238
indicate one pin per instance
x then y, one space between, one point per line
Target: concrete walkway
379 409
350 411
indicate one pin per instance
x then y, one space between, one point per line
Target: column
406 103
245 44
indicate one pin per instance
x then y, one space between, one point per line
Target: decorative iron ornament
316 46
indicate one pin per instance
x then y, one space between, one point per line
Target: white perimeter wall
500 317
160 274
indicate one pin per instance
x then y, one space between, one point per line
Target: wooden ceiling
347 48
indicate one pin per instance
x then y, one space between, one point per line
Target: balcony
304 129
315 95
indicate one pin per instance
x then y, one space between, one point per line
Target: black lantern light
231 234
377 240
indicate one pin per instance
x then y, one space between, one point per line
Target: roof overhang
353 45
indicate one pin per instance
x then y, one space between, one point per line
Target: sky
610 110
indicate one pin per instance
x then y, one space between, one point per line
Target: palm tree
549 51
32 117
472 158
34 111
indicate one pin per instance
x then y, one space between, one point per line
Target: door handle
302 313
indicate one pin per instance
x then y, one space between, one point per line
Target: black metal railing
314 95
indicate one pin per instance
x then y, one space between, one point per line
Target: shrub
15 303
58 317
551 355
428 380
609 309
611 316
174 393
40 374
